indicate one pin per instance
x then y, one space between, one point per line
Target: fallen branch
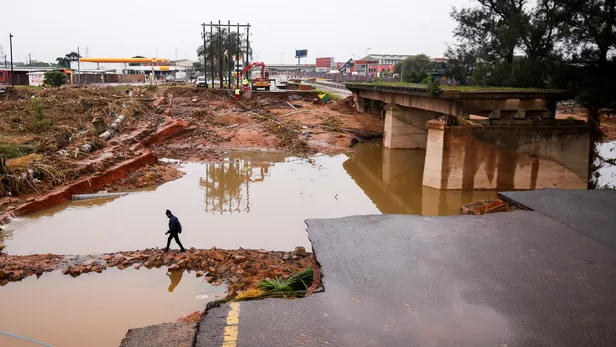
292 113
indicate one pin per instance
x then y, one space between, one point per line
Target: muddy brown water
254 200
96 310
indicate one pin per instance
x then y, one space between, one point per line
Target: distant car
201 82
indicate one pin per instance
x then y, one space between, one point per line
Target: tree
136 64
54 78
413 69
512 40
222 48
39 64
568 44
67 59
588 64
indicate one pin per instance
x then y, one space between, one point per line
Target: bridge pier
515 143
406 127
507 157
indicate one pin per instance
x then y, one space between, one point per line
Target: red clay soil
259 123
240 269
182 123
146 176
88 184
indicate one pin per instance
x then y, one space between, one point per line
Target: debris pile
240 269
146 176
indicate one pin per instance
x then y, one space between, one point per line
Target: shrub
12 150
54 78
434 88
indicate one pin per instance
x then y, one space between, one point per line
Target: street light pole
12 76
205 57
367 49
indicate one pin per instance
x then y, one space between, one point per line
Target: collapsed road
507 279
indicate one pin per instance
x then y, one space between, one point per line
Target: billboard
326 62
301 53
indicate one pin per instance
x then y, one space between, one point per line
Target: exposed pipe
25 338
96 196
113 128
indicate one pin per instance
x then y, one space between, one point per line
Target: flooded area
253 200
109 304
607 174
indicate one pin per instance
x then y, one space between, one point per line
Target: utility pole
78 65
212 51
204 57
12 75
236 61
220 57
247 45
229 54
30 59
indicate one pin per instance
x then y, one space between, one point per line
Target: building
28 75
325 64
378 63
187 63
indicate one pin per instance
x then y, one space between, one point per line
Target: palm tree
222 50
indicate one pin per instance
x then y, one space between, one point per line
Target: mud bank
181 123
240 269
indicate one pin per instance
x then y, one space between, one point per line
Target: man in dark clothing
175 228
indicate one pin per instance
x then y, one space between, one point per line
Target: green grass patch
39 125
330 95
14 150
292 287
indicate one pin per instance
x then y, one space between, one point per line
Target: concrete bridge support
406 127
506 157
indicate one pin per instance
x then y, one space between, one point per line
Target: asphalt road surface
507 279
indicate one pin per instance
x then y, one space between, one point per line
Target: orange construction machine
258 82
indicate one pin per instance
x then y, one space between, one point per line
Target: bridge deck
463 92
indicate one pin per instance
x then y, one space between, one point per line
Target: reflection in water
227 185
175 277
70 312
253 201
392 178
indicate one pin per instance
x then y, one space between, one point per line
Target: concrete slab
162 335
509 279
591 212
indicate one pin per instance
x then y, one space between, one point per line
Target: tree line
561 44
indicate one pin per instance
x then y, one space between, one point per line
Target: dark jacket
174 225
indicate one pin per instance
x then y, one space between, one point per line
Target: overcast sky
125 28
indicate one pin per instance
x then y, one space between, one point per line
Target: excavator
259 82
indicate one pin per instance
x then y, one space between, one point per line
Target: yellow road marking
232 328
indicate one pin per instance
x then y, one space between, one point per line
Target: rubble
173 122
241 269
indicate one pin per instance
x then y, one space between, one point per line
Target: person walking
175 228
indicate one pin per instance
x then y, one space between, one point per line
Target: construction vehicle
348 65
259 82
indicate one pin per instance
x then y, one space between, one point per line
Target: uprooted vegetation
43 131
51 137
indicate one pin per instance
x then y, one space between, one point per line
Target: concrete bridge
483 139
